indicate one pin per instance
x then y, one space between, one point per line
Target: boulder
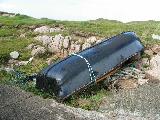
156 49
43 29
50 60
149 52
77 48
65 53
53 47
66 42
56 45
56 29
98 41
45 40
22 63
74 48
85 45
156 37
25 62
58 38
14 55
155 62
38 51
154 72
91 40
145 61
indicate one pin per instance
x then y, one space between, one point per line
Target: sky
122 10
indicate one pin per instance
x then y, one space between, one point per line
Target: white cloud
123 10
5 6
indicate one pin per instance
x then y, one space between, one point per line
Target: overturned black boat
88 66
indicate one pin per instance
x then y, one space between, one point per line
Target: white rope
92 76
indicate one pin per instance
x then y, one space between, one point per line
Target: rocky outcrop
86 45
56 29
45 40
20 63
38 51
56 45
66 42
91 40
43 29
64 45
74 48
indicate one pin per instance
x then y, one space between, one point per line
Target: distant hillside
7 14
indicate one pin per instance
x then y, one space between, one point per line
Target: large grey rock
65 53
66 42
145 61
149 52
45 40
156 49
154 72
155 62
58 38
91 40
74 48
25 62
56 45
56 29
43 29
38 51
53 47
85 45
156 37
14 54
77 48
98 41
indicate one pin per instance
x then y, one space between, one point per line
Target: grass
9 45
89 98
13 27
24 20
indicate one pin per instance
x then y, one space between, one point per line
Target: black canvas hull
84 68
